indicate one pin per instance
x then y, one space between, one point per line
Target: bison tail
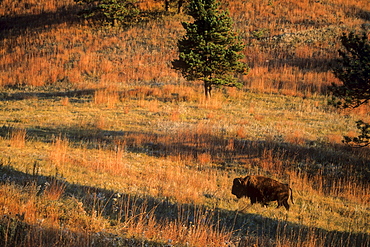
291 195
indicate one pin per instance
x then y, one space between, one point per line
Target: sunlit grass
101 141
85 57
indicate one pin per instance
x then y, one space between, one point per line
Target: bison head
238 188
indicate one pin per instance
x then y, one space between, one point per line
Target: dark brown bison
262 189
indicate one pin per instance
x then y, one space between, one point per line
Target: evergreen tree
210 51
354 71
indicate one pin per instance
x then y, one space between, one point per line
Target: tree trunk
180 3
166 5
207 90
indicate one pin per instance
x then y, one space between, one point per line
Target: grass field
103 144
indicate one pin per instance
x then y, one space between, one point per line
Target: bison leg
253 200
286 205
263 202
283 203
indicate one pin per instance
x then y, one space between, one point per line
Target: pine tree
210 51
354 71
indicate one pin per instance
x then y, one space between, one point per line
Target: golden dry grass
289 52
186 164
102 142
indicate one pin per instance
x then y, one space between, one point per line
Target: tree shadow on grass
358 12
17 25
15 93
333 162
247 229
75 95
97 202
222 150
317 65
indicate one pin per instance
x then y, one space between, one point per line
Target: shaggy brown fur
262 189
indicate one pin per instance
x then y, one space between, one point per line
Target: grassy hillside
102 144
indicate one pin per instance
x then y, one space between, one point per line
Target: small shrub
110 11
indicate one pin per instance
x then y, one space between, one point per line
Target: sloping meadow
166 173
103 144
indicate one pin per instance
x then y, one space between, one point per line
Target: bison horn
237 181
245 180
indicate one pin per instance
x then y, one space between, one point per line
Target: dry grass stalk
204 158
296 137
106 97
65 101
240 132
18 138
59 152
54 190
175 116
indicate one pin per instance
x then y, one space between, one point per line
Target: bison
262 189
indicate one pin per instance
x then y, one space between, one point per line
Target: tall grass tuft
18 138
